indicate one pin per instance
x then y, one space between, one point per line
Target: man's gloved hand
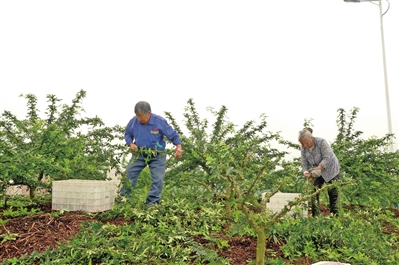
316 172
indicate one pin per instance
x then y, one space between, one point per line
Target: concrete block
280 199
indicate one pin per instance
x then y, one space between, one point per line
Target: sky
291 60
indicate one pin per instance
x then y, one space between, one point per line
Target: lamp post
392 148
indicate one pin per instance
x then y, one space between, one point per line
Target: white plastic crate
280 199
83 195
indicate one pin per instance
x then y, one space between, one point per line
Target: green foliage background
63 145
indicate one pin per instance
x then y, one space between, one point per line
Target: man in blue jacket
144 135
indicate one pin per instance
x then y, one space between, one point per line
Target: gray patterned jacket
320 154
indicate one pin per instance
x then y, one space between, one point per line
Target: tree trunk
260 247
260 230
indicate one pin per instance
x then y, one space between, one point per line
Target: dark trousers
332 194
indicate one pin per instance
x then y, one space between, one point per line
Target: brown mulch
41 231
38 232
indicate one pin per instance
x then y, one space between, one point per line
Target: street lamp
384 62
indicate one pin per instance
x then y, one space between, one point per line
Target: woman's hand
308 176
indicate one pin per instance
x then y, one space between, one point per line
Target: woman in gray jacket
320 165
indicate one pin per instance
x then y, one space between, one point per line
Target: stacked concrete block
278 201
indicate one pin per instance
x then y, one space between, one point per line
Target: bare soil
41 231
